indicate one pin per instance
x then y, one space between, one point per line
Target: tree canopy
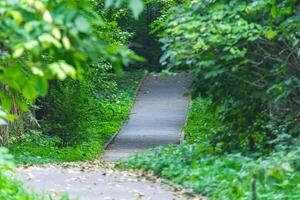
46 40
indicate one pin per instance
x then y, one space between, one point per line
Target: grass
196 165
99 118
91 120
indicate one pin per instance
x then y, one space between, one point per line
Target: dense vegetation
245 56
61 89
78 119
42 41
196 164
42 44
242 134
143 41
64 40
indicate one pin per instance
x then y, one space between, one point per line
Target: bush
245 57
73 110
201 165
62 112
78 119
231 176
203 125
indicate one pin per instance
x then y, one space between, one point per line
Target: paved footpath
156 119
90 181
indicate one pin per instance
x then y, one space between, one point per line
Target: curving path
91 181
156 119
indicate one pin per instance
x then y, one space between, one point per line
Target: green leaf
6 101
287 167
274 11
42 86
276 173
18 52
46 39
82 25
61 69
271 34
136 6
22 105
37 71
29 91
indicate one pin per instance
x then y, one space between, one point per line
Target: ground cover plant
79 120
242 134
230 176
197 165
245 57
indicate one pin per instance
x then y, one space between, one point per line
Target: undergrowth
78 119
231 176
199 165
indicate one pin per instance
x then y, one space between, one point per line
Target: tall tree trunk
16 126
4 133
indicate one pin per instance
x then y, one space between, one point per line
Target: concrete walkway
156 118
86 181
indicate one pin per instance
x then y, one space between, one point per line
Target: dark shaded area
144 43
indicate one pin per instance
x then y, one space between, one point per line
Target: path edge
186 191
136 92
182 133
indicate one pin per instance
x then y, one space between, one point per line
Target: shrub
231 176
244 56
78 119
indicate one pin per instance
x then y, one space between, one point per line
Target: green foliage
244 56
78 119
203 125
206 128
62 111
142 41
229 176
200 164
45 40
136 6
10 188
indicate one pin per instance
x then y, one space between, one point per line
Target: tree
245 56
52 39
